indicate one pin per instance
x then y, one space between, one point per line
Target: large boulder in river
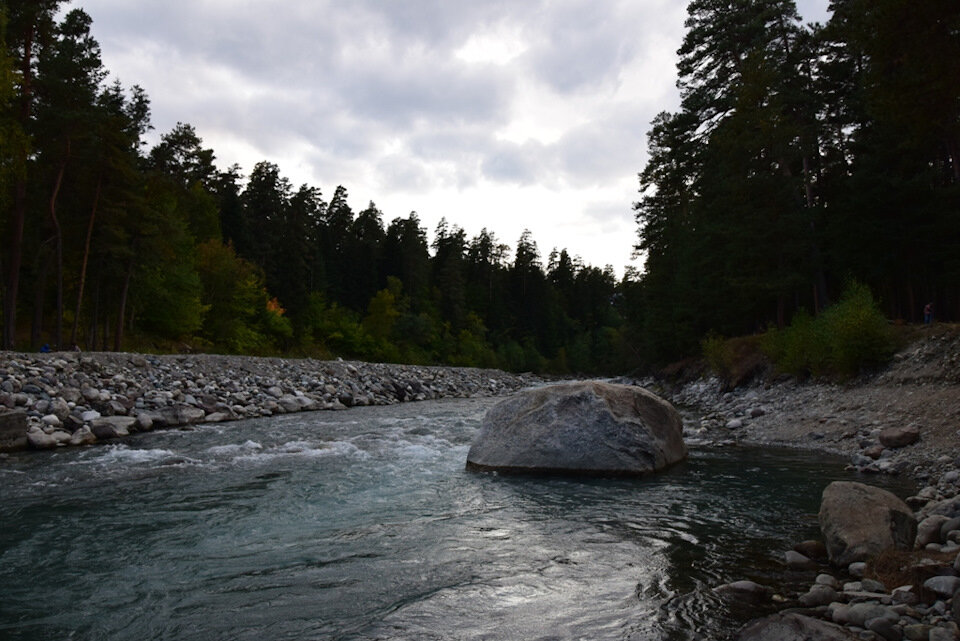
580 428
860 521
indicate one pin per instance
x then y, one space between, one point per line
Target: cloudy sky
504 114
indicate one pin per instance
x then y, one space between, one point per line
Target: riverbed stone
944 586
107 427
818 594
83 436
13 430
859 521
797 561
40 440
583 428
928 530
791 626
900 436
744 590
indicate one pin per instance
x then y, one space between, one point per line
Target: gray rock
859 521
107 427
826 579
904 595
917 632
13 431
894 437
793 627
583 428
289 403
940 634
949 526
818 595
734 424
944 586
40 440
744 591
60 407
144 422
83 436
886 627
928 530
797 561
812 549
51 419
870 585
859 613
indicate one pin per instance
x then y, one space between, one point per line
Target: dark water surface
364 525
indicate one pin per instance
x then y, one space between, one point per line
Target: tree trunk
83 264
58 235
118 333
19 211
40 289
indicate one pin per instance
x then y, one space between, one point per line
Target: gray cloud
375 88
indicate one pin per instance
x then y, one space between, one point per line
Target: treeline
108 244
802 158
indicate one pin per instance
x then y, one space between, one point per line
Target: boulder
40 440
13 430
894 437
928 530
860 521
107 427
797 561
793 627
580 428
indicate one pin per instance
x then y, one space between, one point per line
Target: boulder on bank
860 521
13 430
580 428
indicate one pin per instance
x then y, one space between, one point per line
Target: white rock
51 419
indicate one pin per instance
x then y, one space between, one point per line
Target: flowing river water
363 525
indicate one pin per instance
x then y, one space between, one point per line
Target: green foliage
846 339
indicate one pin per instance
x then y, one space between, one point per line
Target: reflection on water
364 525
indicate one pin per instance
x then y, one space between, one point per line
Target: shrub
845 339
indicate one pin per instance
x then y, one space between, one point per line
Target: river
363 525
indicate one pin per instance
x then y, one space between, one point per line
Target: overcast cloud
499 114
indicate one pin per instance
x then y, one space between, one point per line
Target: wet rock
797 561
812 549
107 427
745 591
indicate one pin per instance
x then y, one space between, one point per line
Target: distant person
928 313
45 349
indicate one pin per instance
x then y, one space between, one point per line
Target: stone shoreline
66 398
903 420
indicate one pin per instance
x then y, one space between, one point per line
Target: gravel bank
70 398
903 420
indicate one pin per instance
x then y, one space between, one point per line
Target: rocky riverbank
904 420
59 399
